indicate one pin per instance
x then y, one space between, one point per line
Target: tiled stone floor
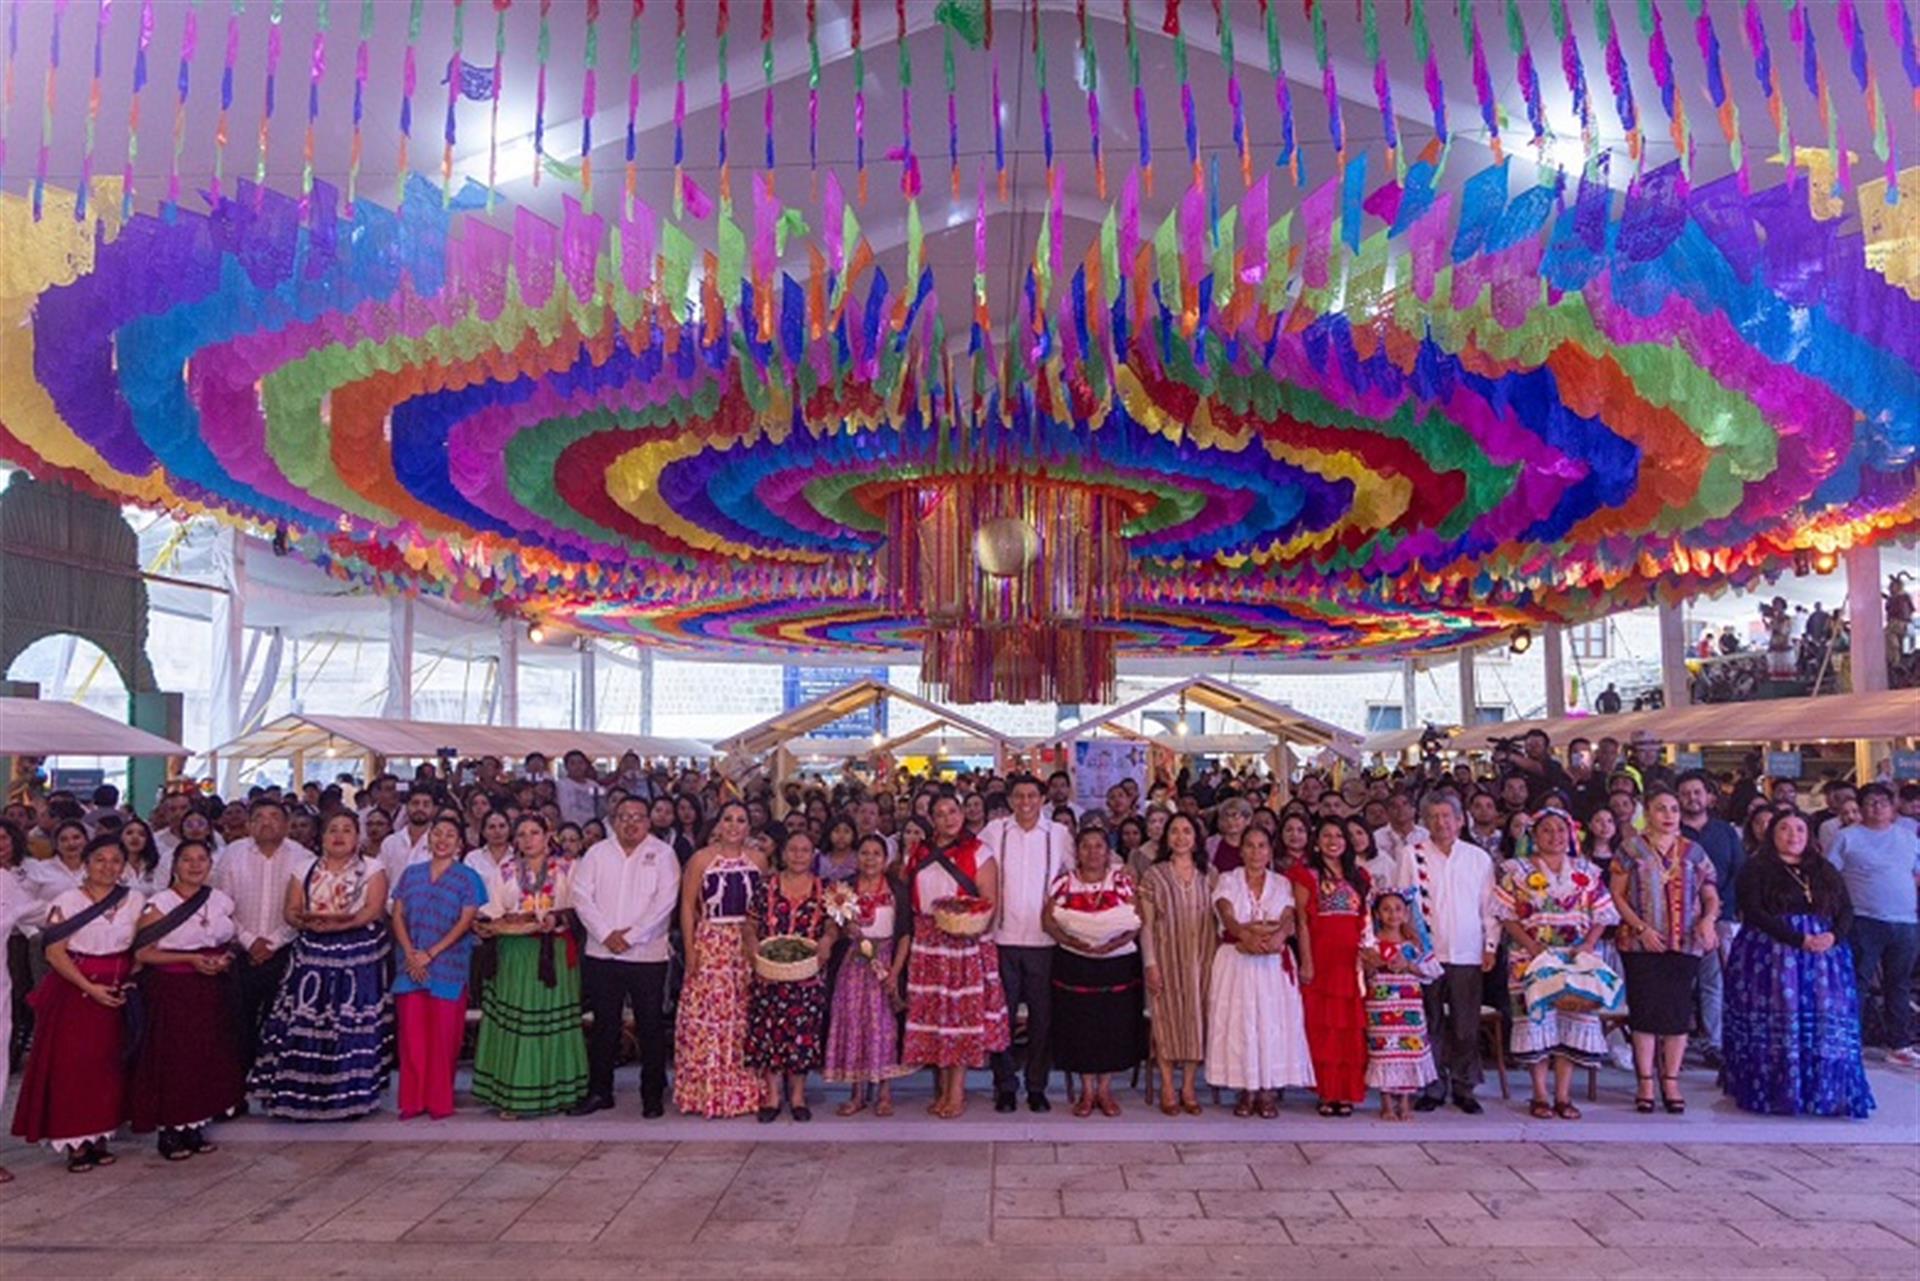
1444 1196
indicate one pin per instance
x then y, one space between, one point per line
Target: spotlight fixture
537 634
1825 562
1521 642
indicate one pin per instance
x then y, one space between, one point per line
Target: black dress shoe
589 1105
767 1116
1037 1102
1468 1104
1426 1103
1003 1101
803 1114
652 1109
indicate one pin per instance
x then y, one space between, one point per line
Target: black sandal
1640 1105
1343 1109
1540 1110
200 1143
1673 1106
174 1146
80 1160
1329 1109
101 1156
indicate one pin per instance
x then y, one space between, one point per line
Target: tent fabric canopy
1263 715
1831 718
839 704
1393 742
44 727
319 735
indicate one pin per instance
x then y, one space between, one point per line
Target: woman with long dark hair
1792 1035
710 1075
144 872
327 1046
1177 938
189 1069
531 1056
1334 928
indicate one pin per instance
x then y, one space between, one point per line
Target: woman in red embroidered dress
1335 893
956 1009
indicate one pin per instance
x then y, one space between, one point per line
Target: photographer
1533 757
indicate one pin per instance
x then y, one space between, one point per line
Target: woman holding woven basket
956 1008
787 937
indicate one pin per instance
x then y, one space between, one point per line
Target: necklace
1801 879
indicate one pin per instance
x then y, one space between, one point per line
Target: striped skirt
956 1008
327 1046
531 1056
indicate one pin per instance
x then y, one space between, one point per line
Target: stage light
1825 562
537 634
1522 641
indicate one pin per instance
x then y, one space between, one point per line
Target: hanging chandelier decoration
1019 580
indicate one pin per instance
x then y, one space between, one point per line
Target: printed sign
1906 766
803 684
1099 763
1685 761
1783 765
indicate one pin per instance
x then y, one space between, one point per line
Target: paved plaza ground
1714 1193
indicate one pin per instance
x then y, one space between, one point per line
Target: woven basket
962 924
785 971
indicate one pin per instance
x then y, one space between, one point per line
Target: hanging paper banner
143 40
266 113
409 79
103 13
1140 122
316 72
46 111
589 101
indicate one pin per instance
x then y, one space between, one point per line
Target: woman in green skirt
532 1055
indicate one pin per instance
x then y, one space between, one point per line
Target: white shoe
1907 1058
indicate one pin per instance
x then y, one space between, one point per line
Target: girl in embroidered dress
710 1076
327 1046
863 1031
1551 899
1399 1059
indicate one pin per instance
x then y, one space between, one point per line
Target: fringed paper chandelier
1015 576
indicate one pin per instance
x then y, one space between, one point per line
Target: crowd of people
289 953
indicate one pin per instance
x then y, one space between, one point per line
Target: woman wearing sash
531 1057
710 1075
956 1008
188 1068
433 910
74 1091
327 1045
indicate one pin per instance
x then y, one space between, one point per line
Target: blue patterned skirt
1792 1027
328 1043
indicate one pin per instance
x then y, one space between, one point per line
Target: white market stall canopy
928 744
312 734
797 722
1396 742
1831 718
45 727
1264 715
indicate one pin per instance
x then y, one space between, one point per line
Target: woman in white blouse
74 1091
188 1068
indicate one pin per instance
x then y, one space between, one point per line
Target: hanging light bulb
1522 641
537 634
